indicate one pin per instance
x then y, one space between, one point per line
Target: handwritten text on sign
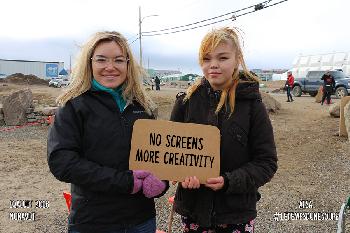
173 150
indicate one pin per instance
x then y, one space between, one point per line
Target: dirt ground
314 168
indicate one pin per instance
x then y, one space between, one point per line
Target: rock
347 118
155 112
15 107
48 111
30 110
271 104
318 97
334 110
31 116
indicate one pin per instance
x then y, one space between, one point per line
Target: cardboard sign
173 151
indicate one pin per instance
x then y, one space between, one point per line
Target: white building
330 61
41 69
278 77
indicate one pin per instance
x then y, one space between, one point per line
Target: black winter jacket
248 155
88 146
328 82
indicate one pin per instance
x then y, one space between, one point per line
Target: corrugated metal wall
45 70
303 64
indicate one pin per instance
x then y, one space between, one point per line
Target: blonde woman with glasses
228 99
89 141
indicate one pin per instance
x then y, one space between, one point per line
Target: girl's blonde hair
210 41
82 76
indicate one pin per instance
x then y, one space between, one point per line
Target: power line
275 4
183 30
166 29
133 37
257 7
134 40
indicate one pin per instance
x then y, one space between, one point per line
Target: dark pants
189 226
289 96
147 227
327 91
157 87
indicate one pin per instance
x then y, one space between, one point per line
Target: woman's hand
215 183
139 176
191 182
152 186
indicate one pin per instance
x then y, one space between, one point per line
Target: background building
268 75
330 61
41 69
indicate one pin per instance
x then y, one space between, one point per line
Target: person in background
289 85
89 141
248 158
157 81
152 83
328 86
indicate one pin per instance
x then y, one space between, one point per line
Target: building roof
30 61
63 72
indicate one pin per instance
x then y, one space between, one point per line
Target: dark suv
311 83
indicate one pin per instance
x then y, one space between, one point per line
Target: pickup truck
311 83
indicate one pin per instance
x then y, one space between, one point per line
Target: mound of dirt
19 78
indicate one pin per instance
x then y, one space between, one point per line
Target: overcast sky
53 30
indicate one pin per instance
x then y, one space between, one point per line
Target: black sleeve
178 112
67 164
262 147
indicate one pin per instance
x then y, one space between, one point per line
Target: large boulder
155 112
15 107
271 104
347 118
318 97
334 110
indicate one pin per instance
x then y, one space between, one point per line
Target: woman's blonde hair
210 41
82 76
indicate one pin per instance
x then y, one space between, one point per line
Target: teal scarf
117 93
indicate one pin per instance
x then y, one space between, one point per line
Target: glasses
102 62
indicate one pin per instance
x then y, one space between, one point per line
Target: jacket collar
246 90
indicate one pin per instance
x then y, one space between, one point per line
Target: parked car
312 82
59 82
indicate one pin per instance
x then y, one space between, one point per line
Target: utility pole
140 36
140 33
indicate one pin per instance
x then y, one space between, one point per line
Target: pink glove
139 175
152 186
